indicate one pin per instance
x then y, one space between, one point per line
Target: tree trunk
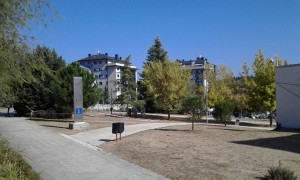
168 114
192 123
271 120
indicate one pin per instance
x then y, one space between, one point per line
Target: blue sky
227 32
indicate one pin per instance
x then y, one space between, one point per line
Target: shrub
280 173
223 111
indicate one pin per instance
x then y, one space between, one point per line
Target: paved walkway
57 157
97 137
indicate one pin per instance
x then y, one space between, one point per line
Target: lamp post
206 91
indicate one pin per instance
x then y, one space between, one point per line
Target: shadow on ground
7 115
171 130
286 143
56 126
106 140
51 120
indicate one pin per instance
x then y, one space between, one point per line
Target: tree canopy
167 83
64 93
156 52
15 57
261 85
220 85
127 84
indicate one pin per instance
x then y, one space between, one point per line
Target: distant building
107 70
288 95
197 68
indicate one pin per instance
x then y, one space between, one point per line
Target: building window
95 70
100 83
99 62
95 62
106 76
89 62
101 77
106 69
118 68
118 75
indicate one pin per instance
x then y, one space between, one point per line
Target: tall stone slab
78 105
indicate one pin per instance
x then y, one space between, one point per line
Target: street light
206 92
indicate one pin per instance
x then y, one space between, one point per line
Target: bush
280 173
223 111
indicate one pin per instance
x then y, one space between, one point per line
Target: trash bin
117 127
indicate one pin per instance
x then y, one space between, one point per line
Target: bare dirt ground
210 152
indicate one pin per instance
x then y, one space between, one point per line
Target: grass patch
12 164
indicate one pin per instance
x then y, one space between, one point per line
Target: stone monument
78 106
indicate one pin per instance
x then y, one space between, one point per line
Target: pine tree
127 84
156 52
64 88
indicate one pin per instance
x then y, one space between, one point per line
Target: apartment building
197 68
107 70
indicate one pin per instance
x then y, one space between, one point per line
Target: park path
96 137
57 157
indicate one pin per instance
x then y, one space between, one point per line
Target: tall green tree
156 52
16 66
261 85
38 95
50 57
167 83
127 84
220 85
64 92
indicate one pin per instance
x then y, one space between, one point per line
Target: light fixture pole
206 92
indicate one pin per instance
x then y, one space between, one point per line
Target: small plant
280 173
223 111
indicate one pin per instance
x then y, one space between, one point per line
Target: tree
38 95
223 111
64 92
167 83
16 67
261 85
193 104
50 57
127 84
16 15
156 52
220 85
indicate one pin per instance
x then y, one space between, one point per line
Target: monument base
79 125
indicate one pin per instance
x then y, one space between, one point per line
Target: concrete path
57 157
97 137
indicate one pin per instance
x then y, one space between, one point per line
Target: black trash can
117 127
